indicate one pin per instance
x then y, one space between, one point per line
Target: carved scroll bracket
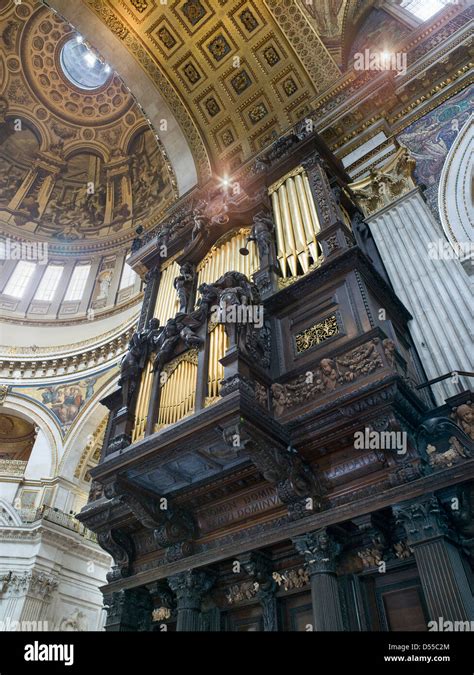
173 528
283 467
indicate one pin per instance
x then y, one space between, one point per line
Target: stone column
435 290
27 184
27 598
190 587
321 551
445 585
128 611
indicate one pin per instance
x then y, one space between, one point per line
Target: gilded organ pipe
225 256
297 223
143 401
218 345
167 302
178 392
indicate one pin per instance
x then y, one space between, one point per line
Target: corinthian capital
423 518
190 587
320 551
386 184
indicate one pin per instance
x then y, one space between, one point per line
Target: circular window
82 67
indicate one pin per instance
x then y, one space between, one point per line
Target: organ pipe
218 345
178 391
143 400
225 256
167 302
297 223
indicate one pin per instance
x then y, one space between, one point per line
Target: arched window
129 277
77 285
20 279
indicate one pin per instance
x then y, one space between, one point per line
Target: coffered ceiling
244 70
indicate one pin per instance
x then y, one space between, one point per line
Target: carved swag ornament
329 376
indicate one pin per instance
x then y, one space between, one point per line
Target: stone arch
9 516
455 191
81 147
39 131
133 133
39 465
354 16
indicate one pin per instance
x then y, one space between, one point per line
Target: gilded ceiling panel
230 62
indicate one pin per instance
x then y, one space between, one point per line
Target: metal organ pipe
297 222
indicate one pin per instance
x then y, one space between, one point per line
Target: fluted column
50 166
27 596
435 291
321 551
443 578
190 587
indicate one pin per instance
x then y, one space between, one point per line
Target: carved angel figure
464 418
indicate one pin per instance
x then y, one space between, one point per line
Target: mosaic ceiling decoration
78 160
336 22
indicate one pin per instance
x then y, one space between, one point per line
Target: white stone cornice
60 537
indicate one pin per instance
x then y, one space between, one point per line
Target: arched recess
187 153
9 516
354 14
44 458
456 192
17 151
30 122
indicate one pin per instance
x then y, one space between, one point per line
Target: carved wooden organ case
234 434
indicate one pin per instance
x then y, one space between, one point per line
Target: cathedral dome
81 167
